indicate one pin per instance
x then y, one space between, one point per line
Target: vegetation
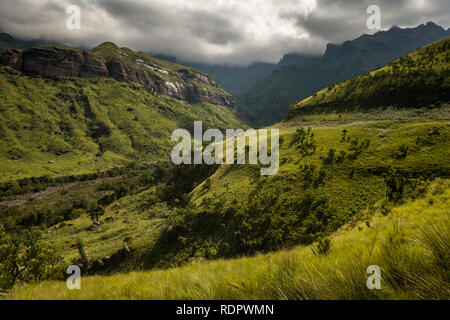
416 80
26 259
84 126
414 265
351 192
268 101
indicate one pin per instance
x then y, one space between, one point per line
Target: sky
233 32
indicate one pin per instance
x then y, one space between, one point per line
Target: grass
78 126
408 245
418 79
143 218
194 215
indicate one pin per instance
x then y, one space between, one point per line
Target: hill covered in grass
74 125
416 80
410 245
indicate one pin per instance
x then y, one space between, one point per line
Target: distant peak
432 25
108 44
6 37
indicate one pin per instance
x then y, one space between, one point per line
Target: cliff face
55 63
61 62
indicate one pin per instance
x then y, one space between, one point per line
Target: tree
26 258
96 213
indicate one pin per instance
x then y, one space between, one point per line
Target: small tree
25 258
344 135
80 247
96 213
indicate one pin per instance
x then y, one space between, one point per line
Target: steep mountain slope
269 100
68 111
421 78
108 60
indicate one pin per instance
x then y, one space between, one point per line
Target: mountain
269 100
419 79
66 111
108 60
296 59
236 79
353 174
6 42
9 42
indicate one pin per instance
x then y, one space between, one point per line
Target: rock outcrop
62 62
55 63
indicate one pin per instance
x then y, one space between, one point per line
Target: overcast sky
215 31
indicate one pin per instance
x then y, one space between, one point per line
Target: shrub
26 259
322 247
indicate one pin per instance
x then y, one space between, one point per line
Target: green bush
322 247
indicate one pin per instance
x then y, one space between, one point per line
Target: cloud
215 31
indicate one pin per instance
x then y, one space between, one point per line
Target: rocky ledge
61 63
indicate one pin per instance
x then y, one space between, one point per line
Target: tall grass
410 246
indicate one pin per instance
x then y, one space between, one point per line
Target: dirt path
23 199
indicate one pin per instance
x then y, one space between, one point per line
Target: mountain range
264 91
268 101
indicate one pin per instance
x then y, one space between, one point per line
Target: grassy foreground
410 245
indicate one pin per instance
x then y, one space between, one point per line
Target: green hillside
410 245
89 125
419 79
332 166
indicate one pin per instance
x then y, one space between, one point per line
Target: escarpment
59 63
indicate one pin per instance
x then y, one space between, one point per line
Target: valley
86 178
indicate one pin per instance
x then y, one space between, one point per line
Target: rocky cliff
176 81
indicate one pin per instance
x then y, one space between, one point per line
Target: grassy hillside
332 166
239 212
418 79
410 245
78 126
231 210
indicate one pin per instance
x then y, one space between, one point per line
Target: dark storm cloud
220 31
340 20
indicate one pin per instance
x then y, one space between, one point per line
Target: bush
26 259
322 247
